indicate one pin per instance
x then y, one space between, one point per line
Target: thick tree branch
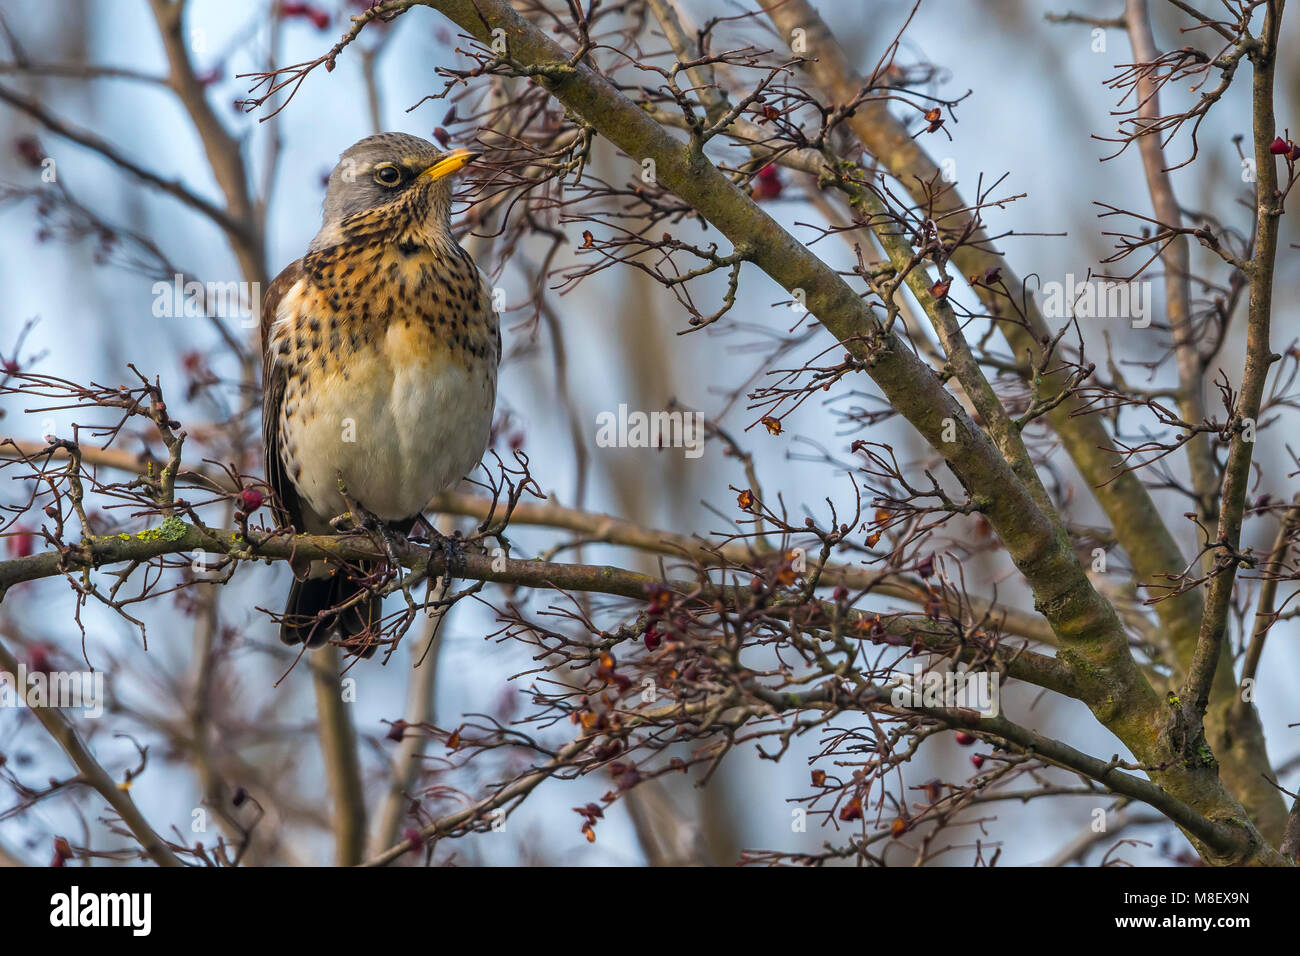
1092 638
1127 504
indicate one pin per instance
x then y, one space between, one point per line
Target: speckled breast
390 352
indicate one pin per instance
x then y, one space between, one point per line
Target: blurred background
1036 104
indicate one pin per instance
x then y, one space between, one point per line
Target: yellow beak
452 162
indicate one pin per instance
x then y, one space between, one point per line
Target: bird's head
390 181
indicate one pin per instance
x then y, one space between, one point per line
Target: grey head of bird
389 182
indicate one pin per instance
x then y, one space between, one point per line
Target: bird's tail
304 621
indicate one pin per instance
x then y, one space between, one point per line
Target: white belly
399 432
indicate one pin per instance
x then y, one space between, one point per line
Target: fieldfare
380 349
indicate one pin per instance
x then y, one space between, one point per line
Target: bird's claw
452 549
388 540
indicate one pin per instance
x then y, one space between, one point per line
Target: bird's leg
453 554
450 546
388 539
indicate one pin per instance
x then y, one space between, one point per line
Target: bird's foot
387 539
390 540
452 548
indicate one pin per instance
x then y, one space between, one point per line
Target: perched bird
380 349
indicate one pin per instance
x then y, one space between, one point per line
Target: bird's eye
388 175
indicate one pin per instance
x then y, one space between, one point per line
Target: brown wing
273 376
